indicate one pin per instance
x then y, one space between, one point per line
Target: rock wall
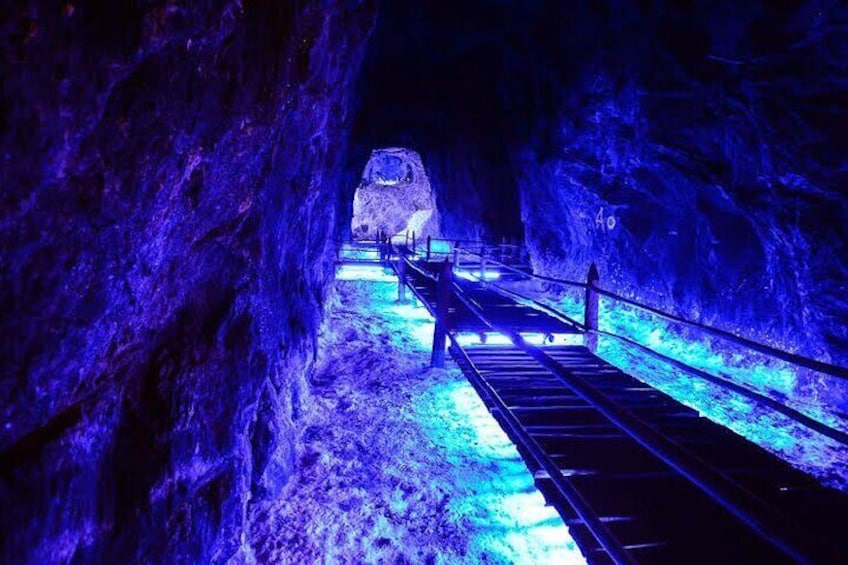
695 151
170 177
696 154
476 191
430 83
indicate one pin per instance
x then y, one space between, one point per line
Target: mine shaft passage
394 197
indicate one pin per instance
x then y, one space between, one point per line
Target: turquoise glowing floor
401 463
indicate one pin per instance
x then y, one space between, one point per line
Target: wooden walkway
655 512
637 476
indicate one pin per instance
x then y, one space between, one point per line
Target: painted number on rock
605 223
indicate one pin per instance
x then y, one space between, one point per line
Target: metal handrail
797 415
476 242
576 284
793 358
806 362
788 411
769 351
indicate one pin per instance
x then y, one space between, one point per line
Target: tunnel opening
394 197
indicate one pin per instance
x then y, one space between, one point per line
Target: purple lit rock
170 182
697 157
695 152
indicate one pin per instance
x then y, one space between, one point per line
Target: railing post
401 279
590 317
443 294
413 242
482 266
456 255
406 239
389 252
429 242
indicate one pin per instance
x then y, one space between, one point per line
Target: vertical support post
413 242
482 266
389 252
456 254
590 317
401 279
429 242
406 239
443 294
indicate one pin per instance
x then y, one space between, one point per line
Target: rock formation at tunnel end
394 198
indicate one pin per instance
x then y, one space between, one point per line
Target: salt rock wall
431 83
475 189
394 197
697 154
170 177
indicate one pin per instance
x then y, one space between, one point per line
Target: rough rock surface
394 197
695 152
697 156
170 174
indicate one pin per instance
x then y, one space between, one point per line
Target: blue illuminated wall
696 154
170 177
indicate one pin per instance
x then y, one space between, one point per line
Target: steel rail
515 430
549 310
417 268
787 411
770 524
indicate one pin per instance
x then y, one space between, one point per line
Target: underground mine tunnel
193 371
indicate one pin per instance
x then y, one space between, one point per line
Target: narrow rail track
637 476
